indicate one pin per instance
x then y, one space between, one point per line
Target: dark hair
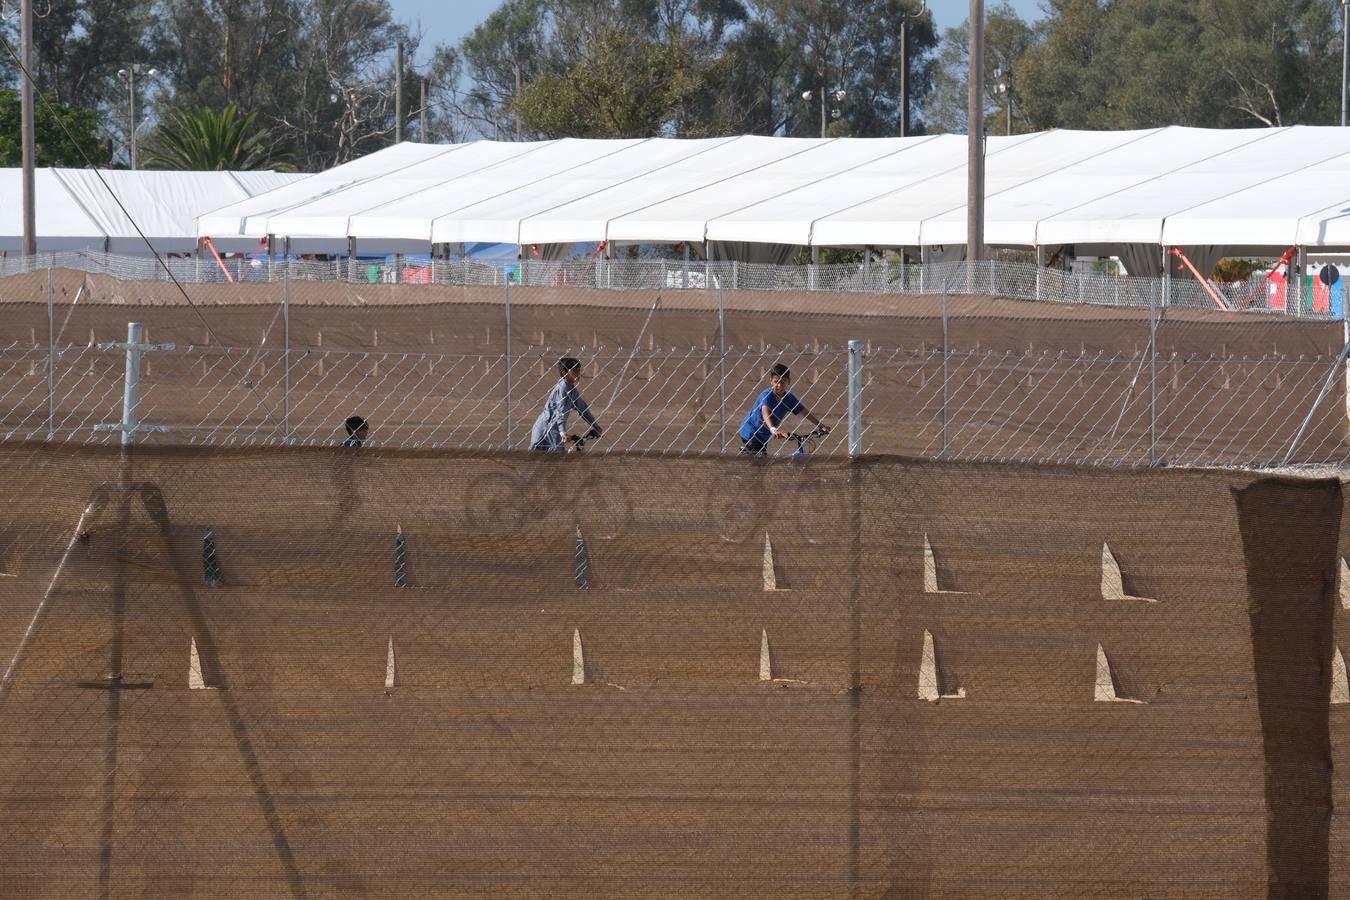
354 424
779 371
567 364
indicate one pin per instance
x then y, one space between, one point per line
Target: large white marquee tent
1127 193
77 209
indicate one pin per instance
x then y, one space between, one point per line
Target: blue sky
448 23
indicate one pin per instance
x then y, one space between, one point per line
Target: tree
1007 41
1211 63
317 73
62 136
707 66
502 54
78 46
624 88
213 140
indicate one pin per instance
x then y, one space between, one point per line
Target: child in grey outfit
550 429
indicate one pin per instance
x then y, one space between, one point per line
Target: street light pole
905 18
837 95
131 111
128 75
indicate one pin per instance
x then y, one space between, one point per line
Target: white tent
1253 190
87 209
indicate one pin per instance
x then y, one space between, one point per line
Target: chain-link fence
945 375
997 277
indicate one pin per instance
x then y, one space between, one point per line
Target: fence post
286 348
508 363
51 355
855 363
131 388
1153 384
722 366
946 355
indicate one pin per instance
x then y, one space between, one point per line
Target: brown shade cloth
672 769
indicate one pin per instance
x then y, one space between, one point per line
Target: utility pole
1345 52
975 138
29 152
398 92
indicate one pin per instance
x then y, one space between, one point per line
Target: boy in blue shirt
772 405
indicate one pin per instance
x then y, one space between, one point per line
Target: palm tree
204 139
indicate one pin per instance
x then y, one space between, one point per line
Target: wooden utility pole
29 152
975 138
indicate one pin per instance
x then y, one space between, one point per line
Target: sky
449 23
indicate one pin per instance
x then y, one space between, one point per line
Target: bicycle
577 442
805 441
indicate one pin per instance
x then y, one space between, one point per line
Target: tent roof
1183 186
86 209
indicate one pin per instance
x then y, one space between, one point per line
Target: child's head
779 379
570 369
356 426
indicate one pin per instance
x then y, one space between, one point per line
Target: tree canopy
61 136
316 79
205 140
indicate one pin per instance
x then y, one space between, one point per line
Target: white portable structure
1126 193
88 209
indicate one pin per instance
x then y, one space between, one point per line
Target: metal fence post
509 423
1153 385
722 366
946 356
286 350
855 363
131 387
51 355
